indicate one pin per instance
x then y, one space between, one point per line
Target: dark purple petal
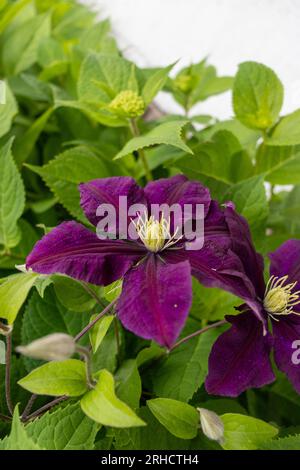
72 249
217 266
285 332
286 261
178 190
242 246
239 358
107 191
155 300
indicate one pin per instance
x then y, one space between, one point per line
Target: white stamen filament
155 234
279 297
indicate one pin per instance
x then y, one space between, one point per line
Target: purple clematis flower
156 268
240 358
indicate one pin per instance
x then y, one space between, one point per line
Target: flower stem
136 132
4 417
117 334
98 317
197 333
28 407
8 373
92 294
46 407
85 353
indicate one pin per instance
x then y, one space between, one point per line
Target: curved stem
5 418
85 353
197 333
46 407
98 317
136 133
8 373
92 294
28 407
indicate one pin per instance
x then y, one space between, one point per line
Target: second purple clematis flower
240 358
156 268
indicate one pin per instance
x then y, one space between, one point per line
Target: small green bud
55 347
184 83
212 426
127 104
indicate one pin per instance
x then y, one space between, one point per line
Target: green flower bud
184 83
128 104
212 426
55 347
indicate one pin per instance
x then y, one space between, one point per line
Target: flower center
279 297
128 104
155 234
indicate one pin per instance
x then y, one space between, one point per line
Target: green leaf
244 432
257 95
103 406
284 443
57 378
168 133
66 428
13 293
250 200
280 164
20 47
113 71
129 386
2 352
153 436
100 329
287 131
24 144
12 198
179 419
183 372
155 83
73 295
67 171
211 303
44 316
18 254
221 158
8 110
11 12
18 438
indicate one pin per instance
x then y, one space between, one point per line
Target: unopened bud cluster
212 425
184 83
55 347
128 104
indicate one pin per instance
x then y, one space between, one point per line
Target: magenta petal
239 358
286 261
107 191
178 190
242 246
72 249
156 299
285 332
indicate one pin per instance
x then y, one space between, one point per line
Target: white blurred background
158 32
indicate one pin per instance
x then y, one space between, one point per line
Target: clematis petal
72 249
107 191
155 300
178 190
242 245
240 358
285 332
286 261
217 266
